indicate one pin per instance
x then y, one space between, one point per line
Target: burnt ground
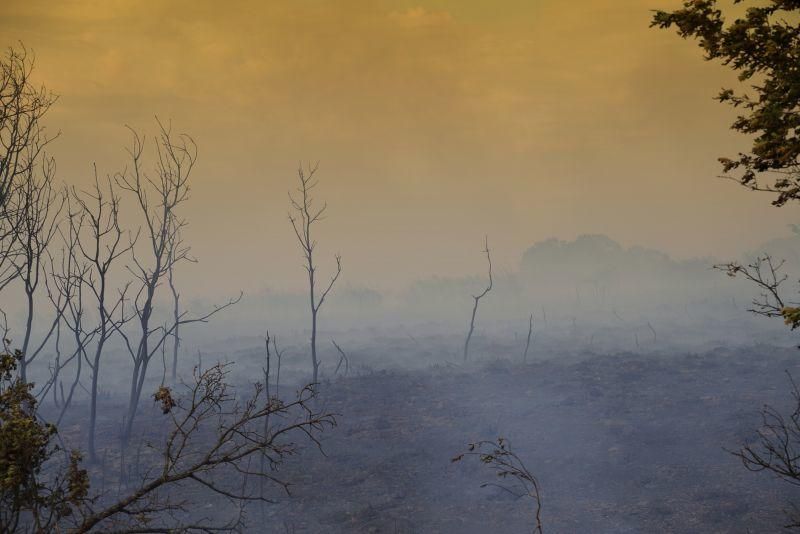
619 443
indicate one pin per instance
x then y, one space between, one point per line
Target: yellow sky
435 122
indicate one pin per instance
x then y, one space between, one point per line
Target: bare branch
498 456
478 297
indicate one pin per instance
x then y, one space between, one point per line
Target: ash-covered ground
625 442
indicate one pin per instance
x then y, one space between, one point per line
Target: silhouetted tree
528 340
23 139
65 283
765 273
158 198
190 456
477 299
212 431
102 244
37 207
303 220
776 448
762 47
22 107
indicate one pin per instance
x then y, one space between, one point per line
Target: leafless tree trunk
477 299
302 222
176 314
268 360
158 198
528 342
343 359
652 331
266 370
37 207
175 246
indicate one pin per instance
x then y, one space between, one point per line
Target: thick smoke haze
435 123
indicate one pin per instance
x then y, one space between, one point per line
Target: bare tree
66 284
303 220
528 341
343 359
158 199
169 187
210 409
22 107
37 208
498 456
211 432
23 139
776 448
81 338
102 243
765 273
477 299
267 370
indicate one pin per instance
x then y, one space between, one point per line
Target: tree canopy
763 47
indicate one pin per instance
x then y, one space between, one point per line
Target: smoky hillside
590 293
587 295
619 375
